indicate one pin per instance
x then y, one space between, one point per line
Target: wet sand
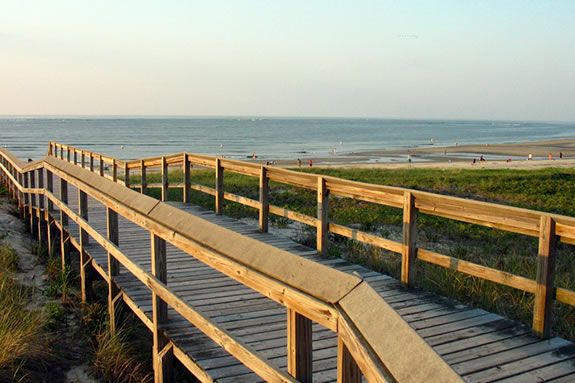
460 156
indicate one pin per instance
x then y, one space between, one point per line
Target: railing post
32 200
50 148
75 157
322 216
162 352
347 369
144 181
264 201
64 235
22 199
114 170
26 207
543 302
83 156
101 165
126 175
186 193
91 159
61 152
219 187
409 249
42 214
165 179
85 272
68 154
113 267
50 187
299 341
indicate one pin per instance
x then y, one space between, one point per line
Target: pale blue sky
417 59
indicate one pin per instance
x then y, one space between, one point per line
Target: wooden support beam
543 302
32 199
162 353
113 235
64 236
299 341
101 165
219 205
347 369
114 170
112 229
85 272
91 161
75 157
126 175
322 216
83 159
41 212
50 187
144 181
61 153
409 249
165 180
264 200
187 183
67 154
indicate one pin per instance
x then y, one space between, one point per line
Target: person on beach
560 155
298 163
310 162
529 157
550 156
481 158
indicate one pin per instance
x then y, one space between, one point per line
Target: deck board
479 345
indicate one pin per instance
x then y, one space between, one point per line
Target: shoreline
455 156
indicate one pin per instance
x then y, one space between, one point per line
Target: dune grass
549 190
22 341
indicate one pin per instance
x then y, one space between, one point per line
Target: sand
460 156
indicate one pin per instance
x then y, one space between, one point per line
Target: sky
510 60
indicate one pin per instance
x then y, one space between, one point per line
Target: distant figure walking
529 157
550 156
560 155
481 158
254 156
474 161
310 163
298 163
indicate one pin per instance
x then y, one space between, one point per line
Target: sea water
268 138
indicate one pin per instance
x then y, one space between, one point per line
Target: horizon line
247 116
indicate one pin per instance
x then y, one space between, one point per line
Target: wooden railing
549 228
310 291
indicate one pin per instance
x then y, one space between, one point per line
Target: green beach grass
550 190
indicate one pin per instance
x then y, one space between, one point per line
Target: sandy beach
497 156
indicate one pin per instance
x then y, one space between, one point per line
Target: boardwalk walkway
478 345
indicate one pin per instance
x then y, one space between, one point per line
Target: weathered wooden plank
476 270
396 341
543 301
299 347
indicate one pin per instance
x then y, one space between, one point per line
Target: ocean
269 138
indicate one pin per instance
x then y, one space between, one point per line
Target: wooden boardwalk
234 303
478 345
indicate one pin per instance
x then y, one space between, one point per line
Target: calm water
277 138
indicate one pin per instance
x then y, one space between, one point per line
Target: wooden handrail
501 217
315 291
